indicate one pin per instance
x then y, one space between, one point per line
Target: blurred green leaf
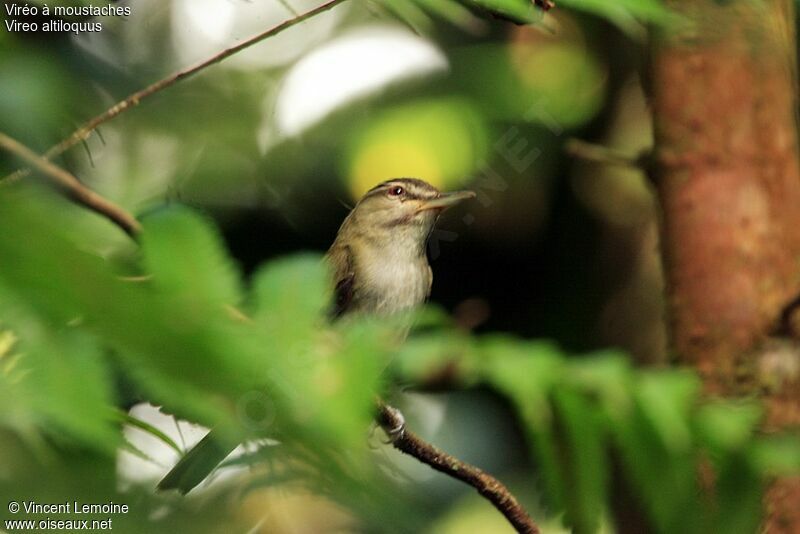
777 455
292 295
626 14
661 468
453 12
427 358
410 13
608 376
527 373
184 254
555 84
55 383
727 426
666 399
155 337
343 386
739 497
586 458
431 315
518 11
32 93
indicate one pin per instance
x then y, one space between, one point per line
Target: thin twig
488 486
605 155
72 187
84 131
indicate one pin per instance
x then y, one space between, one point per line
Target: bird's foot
395 426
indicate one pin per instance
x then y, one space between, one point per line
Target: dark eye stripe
413 189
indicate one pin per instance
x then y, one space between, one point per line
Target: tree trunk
724 99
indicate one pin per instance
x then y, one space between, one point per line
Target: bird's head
403 206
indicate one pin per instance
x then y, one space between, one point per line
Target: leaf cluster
597 428
257 359
628 15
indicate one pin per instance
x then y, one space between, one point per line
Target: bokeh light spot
351 67
390 159
441 141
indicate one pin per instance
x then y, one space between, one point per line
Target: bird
379 267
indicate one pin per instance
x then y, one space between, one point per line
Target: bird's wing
341 260
430 282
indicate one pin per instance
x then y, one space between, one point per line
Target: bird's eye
396 191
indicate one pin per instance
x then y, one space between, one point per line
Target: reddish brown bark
724 102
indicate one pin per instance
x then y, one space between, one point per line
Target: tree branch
72 187
86 129
605 155
489 487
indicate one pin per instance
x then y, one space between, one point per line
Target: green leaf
546 83
586 460
527 373
454 13
521 368
666 399
292 295
608 376
518 11
323 378
626 14
727 426
409 13
169 346
185 256
739 491
150 429
776 455
427 357
655 444
59 385
342 387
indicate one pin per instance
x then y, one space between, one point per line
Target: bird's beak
445 200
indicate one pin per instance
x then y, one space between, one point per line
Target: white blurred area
202 27
309 72
350 67
160 458
152 458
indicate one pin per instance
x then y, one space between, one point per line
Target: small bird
379 267
378 258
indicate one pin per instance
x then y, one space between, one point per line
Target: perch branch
72 187
86 129
488 486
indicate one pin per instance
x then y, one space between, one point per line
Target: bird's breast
391 283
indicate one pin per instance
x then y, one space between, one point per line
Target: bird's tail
198 463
